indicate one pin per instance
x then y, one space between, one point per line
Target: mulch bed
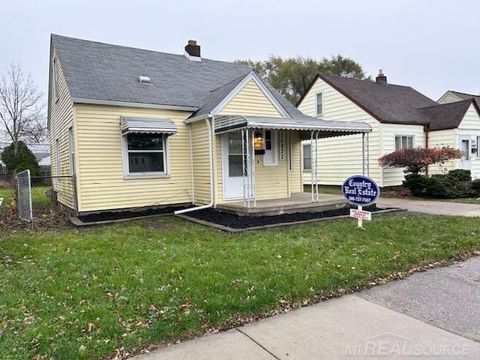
232 222
110 216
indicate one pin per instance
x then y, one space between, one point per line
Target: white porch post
316 166
243 169
249 159
368 154
312 167
253 170
363 154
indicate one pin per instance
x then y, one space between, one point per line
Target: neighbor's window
319 103
307 157
403 142
146 153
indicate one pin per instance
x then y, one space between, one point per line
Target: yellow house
137 128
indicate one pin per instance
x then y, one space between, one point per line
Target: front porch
297 202
261 167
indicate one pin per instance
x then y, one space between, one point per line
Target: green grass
39 196
82 294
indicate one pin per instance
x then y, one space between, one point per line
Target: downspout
191 162
210 155
425 129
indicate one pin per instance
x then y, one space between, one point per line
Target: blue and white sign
360 190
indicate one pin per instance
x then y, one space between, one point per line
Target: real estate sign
361 191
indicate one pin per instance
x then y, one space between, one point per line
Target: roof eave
133 104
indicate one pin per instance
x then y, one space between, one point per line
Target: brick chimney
381 78
192 50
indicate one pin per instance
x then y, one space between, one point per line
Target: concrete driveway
433 207
435 314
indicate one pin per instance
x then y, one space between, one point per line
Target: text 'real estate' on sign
360 190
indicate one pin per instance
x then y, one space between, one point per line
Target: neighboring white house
453 96
400 117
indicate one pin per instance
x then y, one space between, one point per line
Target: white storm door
232 165
466 148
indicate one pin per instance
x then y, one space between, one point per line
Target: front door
465 147
232 165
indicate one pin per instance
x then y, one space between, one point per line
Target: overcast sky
431 45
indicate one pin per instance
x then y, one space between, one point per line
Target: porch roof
327 128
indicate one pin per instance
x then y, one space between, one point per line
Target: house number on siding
282 145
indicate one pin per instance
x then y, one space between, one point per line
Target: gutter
210 155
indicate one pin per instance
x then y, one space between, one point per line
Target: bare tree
21 106
35 131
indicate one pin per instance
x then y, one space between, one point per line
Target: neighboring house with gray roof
400 117
453 96
139 128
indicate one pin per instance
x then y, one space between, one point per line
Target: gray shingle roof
399 104
99 71
466 96
388 103
446 116
103 72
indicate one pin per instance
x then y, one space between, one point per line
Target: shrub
23 160
460 175
415 183
417 159
475 186
446 186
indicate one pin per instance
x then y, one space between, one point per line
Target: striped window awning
147 125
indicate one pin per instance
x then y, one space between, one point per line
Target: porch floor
297 202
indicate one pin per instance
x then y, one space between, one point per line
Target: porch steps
298 202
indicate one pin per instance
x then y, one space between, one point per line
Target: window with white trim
319 104
307 157
145 153
56 80
270 157
57 157
404 142
71 151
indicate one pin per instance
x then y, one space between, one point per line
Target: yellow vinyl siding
443 138
61 119
201 162
296 184
395 176
341 157
101 180
250 100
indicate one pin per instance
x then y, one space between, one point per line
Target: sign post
361 191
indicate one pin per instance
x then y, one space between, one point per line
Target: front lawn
85 293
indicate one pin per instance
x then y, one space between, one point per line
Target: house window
56 80
71 151
145 153
403 142
307 157
57 157
319 104
270 156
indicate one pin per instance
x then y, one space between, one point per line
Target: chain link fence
37 198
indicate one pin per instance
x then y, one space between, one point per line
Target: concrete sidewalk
375 323
432 206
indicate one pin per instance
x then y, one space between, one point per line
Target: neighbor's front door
232 165
465 147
